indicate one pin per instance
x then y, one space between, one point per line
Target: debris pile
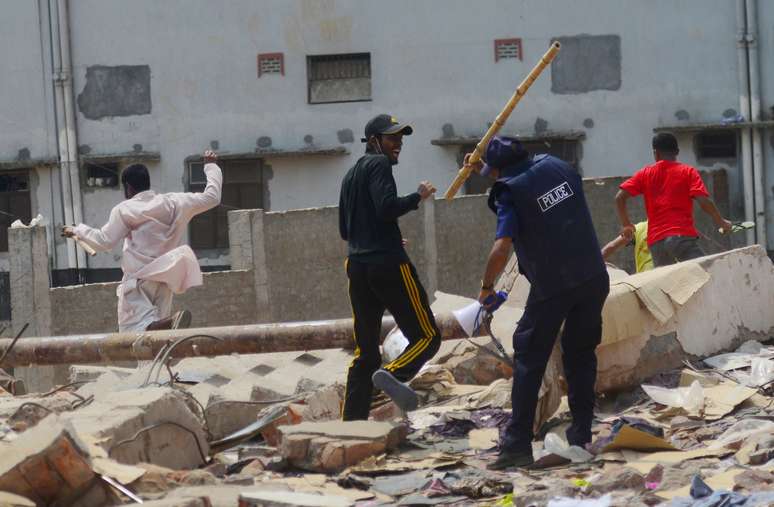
264 429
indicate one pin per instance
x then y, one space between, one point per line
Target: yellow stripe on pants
421 345
411 287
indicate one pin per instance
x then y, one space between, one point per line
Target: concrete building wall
172 77
291 264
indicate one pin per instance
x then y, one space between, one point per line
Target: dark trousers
372 289
580 309
674 249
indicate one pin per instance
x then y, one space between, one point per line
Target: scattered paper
644 462
631 438
484 438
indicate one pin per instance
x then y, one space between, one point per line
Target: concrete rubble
685 415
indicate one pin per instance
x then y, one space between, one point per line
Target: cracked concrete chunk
11 500
288 499
178 502
334 445
151 425
471 366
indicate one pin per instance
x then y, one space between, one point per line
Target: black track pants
372 289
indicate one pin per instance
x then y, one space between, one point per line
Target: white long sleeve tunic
153 227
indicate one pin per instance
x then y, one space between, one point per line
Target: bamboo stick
464 173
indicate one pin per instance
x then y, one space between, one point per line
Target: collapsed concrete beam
251 339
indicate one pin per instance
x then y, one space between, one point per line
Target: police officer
381 276
542 214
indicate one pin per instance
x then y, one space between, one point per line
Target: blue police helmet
502 152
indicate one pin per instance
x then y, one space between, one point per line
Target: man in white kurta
155 261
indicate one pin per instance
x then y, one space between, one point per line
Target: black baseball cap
385 124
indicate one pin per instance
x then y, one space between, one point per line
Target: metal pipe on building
250 339
759 173
745 136
59 93
71 160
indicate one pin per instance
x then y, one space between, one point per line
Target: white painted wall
432 64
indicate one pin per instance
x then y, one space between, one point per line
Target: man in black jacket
380 273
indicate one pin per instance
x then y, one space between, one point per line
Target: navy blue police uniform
540 205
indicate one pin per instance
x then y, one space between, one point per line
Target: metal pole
250 339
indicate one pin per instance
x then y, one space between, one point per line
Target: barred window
715 144
339 78
507 48
14 202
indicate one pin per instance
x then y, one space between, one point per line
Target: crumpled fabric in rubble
703 496
487 418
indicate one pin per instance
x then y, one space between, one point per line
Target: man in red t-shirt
669 188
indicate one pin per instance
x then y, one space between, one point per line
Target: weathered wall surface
140 89
226 298
464 231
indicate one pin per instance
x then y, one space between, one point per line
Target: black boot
511 459
178 320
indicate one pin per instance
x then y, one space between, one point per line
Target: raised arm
194 203
104 239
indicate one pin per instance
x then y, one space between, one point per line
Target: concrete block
290 499
321 405
733 306
202 501
47 464
11 500
332 446
152 425
471 366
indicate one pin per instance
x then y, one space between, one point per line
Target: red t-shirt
669 188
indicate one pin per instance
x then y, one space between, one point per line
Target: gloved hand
492 302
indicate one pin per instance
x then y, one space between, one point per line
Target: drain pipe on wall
745 136
69 158
64 173
759 173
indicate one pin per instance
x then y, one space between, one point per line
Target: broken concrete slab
151 425
470 366
733 305
47 464
11 500
332 446
178 502
290 499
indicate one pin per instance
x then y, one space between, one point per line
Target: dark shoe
401 394
178 320
511 459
